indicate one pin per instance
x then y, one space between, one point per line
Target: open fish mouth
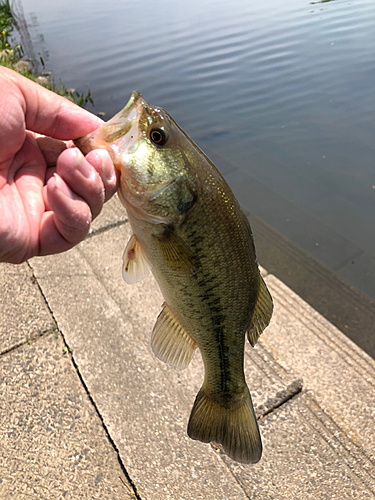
121 124
119 134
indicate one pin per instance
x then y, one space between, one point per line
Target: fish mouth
119 134
121 123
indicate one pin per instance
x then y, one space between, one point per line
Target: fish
190 231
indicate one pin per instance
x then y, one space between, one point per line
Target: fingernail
58 181
82 165
107 167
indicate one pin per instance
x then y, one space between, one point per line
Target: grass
11 55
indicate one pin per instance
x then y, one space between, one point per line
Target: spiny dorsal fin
170 342
175 252
135 266
262 313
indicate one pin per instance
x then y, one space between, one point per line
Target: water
282 92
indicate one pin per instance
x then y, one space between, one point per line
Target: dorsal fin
170 342
262 313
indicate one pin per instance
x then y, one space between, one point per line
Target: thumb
46 112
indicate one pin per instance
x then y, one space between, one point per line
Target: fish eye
158 136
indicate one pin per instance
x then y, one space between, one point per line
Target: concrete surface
330 364
23 314
126 412
306 456
53 444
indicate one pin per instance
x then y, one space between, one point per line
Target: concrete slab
329 363
53 444
306 457
24 314
145 404
113 214
140 408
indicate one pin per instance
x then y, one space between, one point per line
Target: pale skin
49 192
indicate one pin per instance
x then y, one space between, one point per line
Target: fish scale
189 229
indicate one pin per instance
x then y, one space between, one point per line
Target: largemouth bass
190 230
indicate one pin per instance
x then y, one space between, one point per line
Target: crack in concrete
26 342
106 228
290 397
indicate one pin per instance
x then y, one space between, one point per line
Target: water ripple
295 79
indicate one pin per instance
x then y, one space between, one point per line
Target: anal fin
170 342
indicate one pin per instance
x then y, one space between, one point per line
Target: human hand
46 210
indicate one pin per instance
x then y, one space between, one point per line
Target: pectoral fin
135 266
175 252
170 342
262 313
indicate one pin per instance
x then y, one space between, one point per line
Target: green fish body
189 229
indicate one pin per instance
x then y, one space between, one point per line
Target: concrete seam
26 342
132 485
39 335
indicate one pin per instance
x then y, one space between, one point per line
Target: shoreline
11 56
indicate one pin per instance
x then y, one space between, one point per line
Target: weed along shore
12 56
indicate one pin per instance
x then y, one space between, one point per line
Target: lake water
282 93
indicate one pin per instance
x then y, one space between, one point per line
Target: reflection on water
282 91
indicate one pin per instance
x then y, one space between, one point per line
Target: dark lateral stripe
224 366
207 284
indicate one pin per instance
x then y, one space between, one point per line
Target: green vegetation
8 54
11 57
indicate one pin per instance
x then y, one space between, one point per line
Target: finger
101 161
82 179
49 173
68 221
48 113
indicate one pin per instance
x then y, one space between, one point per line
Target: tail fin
233 426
